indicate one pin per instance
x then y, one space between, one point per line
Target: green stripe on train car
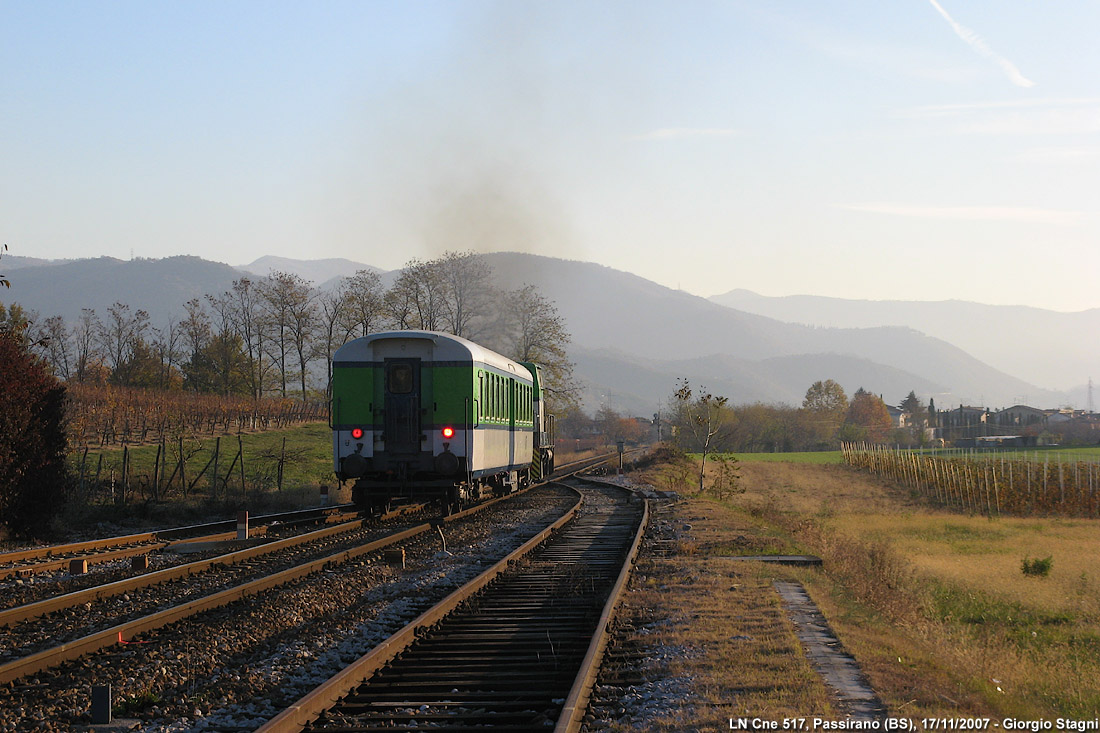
452 387
353 395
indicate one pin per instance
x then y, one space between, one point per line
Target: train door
402 417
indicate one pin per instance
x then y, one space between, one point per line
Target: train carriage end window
399 378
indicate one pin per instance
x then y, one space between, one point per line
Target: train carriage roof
446 347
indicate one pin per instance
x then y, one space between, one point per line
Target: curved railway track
514 650
33 663
211 664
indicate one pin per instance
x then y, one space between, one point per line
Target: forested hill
160 287
615 318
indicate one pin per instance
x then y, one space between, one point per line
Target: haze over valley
632 338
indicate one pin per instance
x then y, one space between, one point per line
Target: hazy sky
914 149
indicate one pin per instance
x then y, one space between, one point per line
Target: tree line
699 421
271 337
275 336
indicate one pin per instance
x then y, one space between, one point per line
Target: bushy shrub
1038 567
33 477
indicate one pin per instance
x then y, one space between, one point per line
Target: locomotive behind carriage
431 416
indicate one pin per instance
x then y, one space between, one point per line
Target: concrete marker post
242 525
101 704
395 558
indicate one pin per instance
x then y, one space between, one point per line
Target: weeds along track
515 649
232 667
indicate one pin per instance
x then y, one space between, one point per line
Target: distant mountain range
1049 348
633 338
318 272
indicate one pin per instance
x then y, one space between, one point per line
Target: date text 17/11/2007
944 725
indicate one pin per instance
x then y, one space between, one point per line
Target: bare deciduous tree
290 309
58 349
465 282
701 420
250 327
531 330
416 298
121 336
364 304
84 342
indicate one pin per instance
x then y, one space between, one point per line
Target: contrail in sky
978 45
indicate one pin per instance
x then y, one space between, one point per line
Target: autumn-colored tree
868 416
825 405
761 429
614 427
33 481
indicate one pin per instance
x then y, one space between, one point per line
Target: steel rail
309 707
74 548
72 650
59 556
576 703
49 605
47 565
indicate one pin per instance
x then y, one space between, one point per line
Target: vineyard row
109 415
991 485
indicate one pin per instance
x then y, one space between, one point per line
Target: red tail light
357 433
448 432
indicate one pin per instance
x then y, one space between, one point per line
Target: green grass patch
962 539
819 457
303 455
1042 454
306 458
974 608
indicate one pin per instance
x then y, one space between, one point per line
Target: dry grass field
714 637
934 605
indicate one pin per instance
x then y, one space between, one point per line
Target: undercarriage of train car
451 487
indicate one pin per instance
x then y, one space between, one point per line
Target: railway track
217 664
42 634
29 561
514 650
38 680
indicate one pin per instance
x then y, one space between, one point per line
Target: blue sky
911 149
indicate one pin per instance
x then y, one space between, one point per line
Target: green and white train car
430 415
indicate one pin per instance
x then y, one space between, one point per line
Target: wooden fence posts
988 484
